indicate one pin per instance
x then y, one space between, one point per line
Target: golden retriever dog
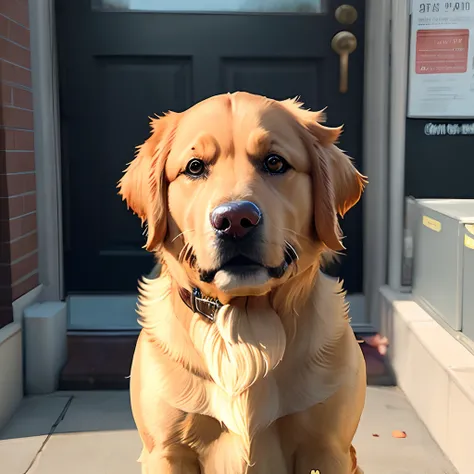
246 362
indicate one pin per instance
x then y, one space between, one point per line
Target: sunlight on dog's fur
276 383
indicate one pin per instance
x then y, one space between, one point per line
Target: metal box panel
436 268
468 282
443 272
461 210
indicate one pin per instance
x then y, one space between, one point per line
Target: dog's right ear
143 185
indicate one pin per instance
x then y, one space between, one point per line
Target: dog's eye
195 167
275 164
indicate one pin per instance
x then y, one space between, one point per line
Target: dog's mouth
243 266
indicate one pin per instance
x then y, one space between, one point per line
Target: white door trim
398 115
47 148
375 156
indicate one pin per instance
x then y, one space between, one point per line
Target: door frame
375 155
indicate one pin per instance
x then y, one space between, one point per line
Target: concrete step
102 362
98 362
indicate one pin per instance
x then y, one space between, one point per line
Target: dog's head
241 192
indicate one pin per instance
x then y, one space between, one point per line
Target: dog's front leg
174 460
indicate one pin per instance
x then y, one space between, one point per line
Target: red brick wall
18 240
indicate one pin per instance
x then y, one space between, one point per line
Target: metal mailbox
443 279
468 282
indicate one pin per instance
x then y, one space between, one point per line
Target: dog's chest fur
233 387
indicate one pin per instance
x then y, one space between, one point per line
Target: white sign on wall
441 69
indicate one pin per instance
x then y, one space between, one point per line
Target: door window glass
213 6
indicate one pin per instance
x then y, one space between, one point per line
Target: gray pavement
94 433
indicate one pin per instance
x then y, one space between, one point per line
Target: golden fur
276 385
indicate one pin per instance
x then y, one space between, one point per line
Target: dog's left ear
337 184
143 185
347 182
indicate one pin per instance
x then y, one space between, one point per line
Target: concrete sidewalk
93 433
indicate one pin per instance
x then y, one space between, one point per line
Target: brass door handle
344 43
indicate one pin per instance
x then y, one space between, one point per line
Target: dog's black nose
236 219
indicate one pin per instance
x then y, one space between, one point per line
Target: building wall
438 166
18 236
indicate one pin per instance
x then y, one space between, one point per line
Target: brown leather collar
197 303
